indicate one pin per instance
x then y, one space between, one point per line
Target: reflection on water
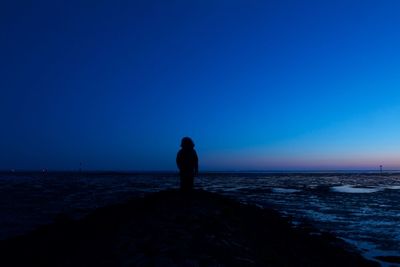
361 208
284 190
352 189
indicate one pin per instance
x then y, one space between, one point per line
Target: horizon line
204 171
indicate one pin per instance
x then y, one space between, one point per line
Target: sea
362 208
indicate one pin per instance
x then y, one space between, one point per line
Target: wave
361 190
285 190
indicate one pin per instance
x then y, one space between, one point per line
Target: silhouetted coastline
171 229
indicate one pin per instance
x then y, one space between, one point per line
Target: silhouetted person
187 162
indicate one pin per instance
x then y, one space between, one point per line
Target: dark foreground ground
171 229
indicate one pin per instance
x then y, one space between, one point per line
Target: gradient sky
258 85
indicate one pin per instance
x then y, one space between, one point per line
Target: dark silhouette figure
187 162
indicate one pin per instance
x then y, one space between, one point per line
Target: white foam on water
394 187
356 190
285 190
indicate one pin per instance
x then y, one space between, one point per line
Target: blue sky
266 85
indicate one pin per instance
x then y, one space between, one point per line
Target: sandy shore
171 229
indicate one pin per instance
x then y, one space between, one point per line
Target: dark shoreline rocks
170 228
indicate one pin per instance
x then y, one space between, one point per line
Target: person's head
187 143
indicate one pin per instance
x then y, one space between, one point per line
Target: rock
171 229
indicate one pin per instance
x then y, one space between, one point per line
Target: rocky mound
173 229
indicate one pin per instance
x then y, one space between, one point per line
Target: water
363 209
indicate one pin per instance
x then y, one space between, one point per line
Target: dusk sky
258 85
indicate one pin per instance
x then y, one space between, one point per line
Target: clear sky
258 85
